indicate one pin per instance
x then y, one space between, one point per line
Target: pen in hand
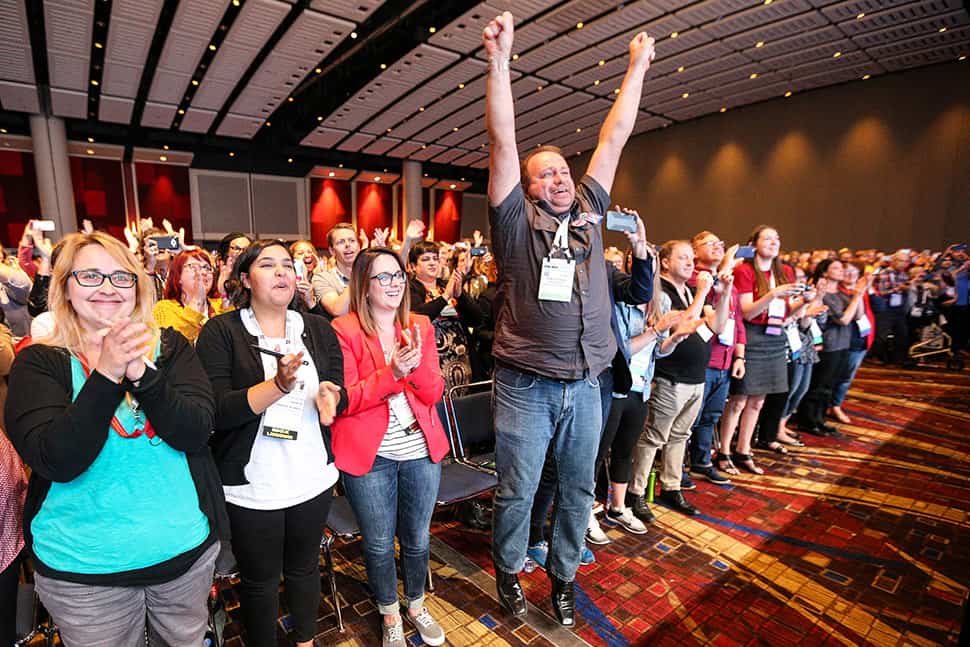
273 353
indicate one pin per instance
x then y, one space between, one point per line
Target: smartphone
619 221
166 243
745 251
300 268
48 225
479 251
962 247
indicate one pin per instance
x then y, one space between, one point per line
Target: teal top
135 506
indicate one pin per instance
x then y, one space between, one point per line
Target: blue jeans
798 383
534 416
845 380
395 497
716 384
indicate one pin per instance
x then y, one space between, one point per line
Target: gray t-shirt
555 339
835 335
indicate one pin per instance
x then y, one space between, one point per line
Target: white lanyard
556 280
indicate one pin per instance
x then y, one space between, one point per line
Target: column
54 185
411 177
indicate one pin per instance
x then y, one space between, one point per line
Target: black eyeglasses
94 278
385 278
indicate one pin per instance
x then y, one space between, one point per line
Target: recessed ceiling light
290 99
235 3
162 158
195 82
212 47
837 54
377 178
579 130
685 95
90 151
462 179
962 58
420 108
451 186
860 15
788 94
759 44
616 91
289 160
675 34
90 139
723 109
383 66
319 117
515 57
767 1
601 63
461 86
318 71
596 82
866 77
681 68
423 146
94 81
341 165
231 154
455 129
331 174
98 45
579 25
942 29
268 124
181 111
753 76
353 34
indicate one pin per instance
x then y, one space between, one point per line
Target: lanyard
136 411
561 239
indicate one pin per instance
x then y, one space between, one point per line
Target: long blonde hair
67 331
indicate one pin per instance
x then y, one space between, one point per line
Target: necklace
142 425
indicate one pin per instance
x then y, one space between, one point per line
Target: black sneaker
711 474
640 508
685 481
675 499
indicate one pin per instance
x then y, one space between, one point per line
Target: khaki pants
673 410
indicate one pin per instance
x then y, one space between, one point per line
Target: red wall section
163 192
375 206
19 201
447 215
99 194
330 202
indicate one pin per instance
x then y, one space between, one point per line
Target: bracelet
276 381
742 359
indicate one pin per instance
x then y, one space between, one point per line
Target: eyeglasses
199 269
238 248
715 243
385 278
94 278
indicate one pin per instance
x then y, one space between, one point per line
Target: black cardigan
233 365
59 439
468 309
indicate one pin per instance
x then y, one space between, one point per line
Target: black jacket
469 311
227 353
59 439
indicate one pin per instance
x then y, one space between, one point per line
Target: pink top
13 491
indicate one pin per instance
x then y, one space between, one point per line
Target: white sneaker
393 635
595 534
429 630
624 517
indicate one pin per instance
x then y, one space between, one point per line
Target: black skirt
765 368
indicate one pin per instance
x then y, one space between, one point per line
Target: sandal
774 446
794 442
747 462
724 464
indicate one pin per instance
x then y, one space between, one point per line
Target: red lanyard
115 423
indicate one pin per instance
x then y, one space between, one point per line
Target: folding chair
470 424
343 523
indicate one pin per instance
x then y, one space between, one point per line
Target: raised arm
623 115
503 158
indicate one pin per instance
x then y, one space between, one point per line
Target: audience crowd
169 403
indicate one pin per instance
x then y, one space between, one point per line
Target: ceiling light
962 58
289 160
788 94
318 71
462 179
319 117
181 111
579 25
4 131
753 76
235 3
212 47
353 34
596 82
759 44
425 175
837 54
90 151
377 178
685 95
388 130
451 186
94 81
162 158
90 139
331 174
341 165
675 34
866 77
432 29
98 45
268 124
515 57
942 29
579 130
723 109
383 66
165 146
423 146
616 91
231 154
860 15
539 89
195 82
290 99
420 108
601 63
455 129
461 86
767 1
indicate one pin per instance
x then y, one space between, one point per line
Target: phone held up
166 243
745 251
619 221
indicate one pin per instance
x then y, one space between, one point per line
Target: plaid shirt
885 281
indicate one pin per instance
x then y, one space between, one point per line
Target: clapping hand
123 346
406 358
415 230
286 369
328 396
380 237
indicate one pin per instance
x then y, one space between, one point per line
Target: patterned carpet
863 540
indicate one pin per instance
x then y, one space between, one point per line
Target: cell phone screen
619 221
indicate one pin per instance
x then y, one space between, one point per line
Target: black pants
892 336
267 543
9 578
958 326
623 428
830 368
771 412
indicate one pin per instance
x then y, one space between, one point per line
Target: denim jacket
632 322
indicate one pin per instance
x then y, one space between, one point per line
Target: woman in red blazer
389 440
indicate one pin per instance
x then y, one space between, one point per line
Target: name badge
917 311
776 315
794 340
727 335
816 333
402 411
895 300
284 418
865 327
639 364
556 282
704 332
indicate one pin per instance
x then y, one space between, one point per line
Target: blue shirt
962 285
134 507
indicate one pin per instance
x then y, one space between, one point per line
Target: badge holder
556 280
776 316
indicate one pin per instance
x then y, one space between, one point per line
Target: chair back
470 417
